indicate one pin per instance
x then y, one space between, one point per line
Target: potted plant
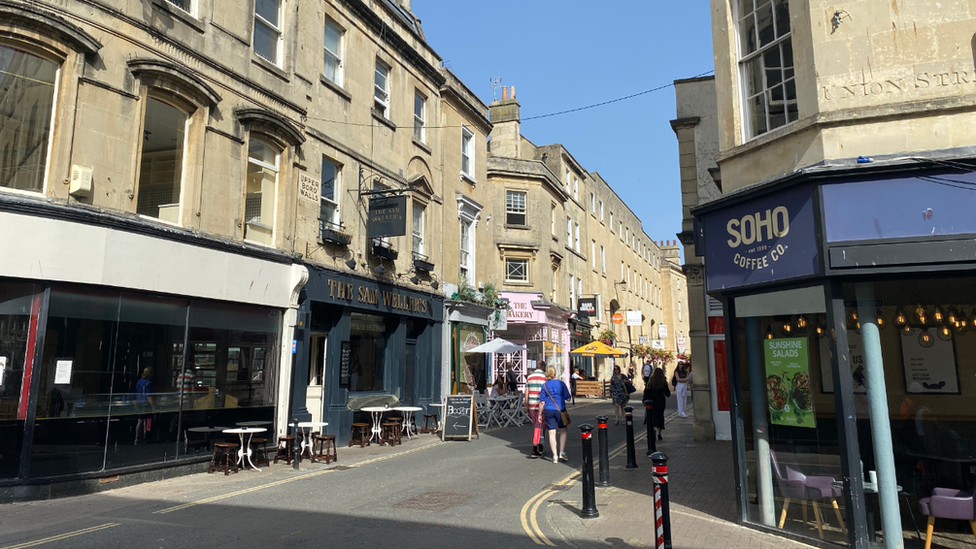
608 337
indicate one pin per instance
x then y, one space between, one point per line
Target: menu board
929 368
788 392
345 356
460 417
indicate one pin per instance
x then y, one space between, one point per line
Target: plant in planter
660 357
608 337
641 351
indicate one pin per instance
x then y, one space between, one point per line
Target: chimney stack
506 138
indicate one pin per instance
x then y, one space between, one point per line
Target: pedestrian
682 377
553 397
533 385
145 405
618 394
657 392
646 371
512 378
572 382
500 387
630 372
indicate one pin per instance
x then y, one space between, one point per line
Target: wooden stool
429 427
362 429
226 450
284 449
325 446
262 457
391 431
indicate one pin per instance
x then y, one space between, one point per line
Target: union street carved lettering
899 86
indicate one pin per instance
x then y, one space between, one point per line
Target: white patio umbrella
497 345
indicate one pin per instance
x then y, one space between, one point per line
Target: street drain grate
339 468
433 501
557 487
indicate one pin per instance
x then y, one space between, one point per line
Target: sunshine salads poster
788 382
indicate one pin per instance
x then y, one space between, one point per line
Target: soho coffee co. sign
762 240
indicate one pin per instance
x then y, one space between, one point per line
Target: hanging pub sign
587 306
762 240
387 217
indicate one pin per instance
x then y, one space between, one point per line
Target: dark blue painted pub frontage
850 303
360 342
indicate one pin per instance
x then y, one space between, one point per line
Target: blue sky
566 54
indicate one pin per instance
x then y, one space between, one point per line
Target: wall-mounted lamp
379 269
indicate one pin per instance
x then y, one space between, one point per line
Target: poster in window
62 372
345 355
788 392
858 373
929 363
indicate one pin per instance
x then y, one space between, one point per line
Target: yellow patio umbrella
598 349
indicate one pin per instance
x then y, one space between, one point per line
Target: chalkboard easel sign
460 417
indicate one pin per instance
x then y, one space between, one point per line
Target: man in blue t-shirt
145 405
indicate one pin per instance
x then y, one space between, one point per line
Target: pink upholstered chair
794 485
947 503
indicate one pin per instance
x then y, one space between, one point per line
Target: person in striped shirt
533 386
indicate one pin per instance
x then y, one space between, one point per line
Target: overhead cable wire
539 116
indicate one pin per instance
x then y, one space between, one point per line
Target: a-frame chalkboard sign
460 417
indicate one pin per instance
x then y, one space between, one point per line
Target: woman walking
683 378
553 396
657 392
618 393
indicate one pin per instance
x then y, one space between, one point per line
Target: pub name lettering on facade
373 296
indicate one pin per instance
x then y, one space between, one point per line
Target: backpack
674 380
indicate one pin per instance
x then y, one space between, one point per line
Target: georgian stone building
564 236
840 252
185 193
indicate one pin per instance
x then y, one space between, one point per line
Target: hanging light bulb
882 323
944 333
972 321
801 322
963 323
925 339
769 332
952 316
938 315
901 320
920 316
907 330
787 328
819 329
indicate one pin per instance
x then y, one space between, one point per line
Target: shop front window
367 335
119 385
913 369
789 421
18 310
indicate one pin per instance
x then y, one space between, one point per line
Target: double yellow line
60 537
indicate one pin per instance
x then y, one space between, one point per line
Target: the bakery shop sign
770 238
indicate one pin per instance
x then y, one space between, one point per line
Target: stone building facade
837 250
565 235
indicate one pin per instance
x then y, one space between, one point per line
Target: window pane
747 34
268 9
782 10
367 336
26 103
379 79
329 180
161 171
791 109
333 36
265 41
773 69
764 23
757 112
16 310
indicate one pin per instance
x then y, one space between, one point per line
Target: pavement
702 496
381 496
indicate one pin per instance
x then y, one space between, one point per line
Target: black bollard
604 452
589 496
663 518
631 455
651 441
296 445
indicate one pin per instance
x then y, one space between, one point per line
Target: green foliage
608 336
